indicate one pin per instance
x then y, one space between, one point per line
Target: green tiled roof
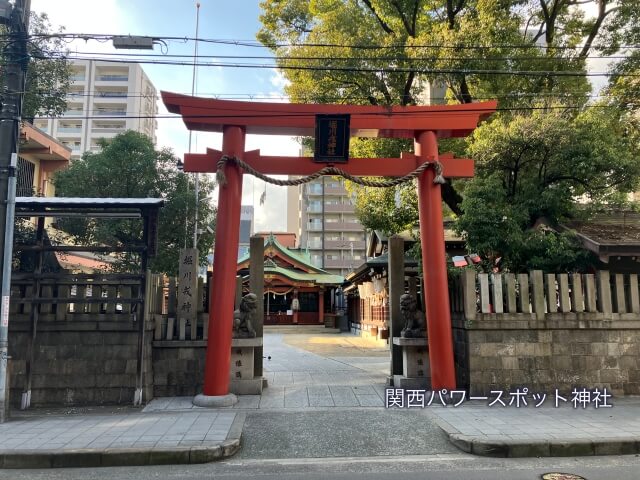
319 278
302 258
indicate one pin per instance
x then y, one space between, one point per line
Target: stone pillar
256 285
396 290
434 267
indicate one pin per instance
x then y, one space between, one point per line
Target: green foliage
542 157
49 71
129 166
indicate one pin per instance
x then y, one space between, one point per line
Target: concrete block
26 459
528 449
573 448
202 454
169 456
125 457
76 459
616 446
246 386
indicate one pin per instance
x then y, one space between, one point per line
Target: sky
219 19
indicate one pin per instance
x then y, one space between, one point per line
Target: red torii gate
425 124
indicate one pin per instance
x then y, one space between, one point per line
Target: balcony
110 113
73 112
314 227
68 131
343 227
341 263
340 208
107 131
344 245
78 77
112 78
335 191
314 209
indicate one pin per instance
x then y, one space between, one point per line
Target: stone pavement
318 369
543 432
120 439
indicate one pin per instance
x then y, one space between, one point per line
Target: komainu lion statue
414 326
243 317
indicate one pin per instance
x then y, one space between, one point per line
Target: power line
285 115
134 56
426 71
255 44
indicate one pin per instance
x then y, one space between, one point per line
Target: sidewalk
120 439
326 396
543 432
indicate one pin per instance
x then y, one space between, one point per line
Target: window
25 174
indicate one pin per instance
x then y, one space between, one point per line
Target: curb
544 448
118 457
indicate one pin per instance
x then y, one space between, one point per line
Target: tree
49 72
129 166
529 54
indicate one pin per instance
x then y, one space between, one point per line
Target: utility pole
16 18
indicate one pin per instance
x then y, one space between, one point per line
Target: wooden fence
539 294
112 297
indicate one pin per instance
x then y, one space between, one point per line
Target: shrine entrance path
326 399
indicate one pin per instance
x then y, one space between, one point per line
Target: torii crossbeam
425 124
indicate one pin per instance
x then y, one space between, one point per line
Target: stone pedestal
243 380
416 373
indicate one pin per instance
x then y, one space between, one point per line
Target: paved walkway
119 439
545 431
318 369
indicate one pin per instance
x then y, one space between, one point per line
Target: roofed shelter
288 275
30 287
425 124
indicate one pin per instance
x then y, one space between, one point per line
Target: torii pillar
234 119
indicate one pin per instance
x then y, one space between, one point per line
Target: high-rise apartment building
105 99
246 229
327 225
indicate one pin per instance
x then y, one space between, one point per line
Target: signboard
188 284
4 322
332 139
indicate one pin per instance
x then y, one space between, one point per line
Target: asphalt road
428 467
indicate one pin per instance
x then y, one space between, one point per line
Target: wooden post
396 290
218 356
469 294
256 286
434 266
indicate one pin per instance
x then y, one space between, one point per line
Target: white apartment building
326 224
105 99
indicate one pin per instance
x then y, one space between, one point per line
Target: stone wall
79 362
544 355
178 367
552 331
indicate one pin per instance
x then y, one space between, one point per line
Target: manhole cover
562 476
